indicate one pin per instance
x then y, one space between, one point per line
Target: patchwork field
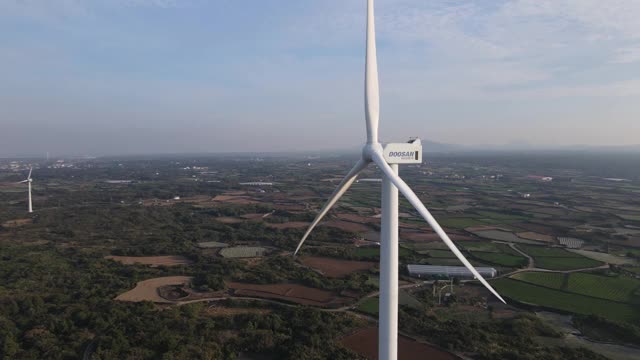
547 279
336 268
171 260
347 226
147 290
530 235
502 236
565 301
500 259
604 257
364 342
623 289
558 258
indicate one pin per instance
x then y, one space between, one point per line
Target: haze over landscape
142 76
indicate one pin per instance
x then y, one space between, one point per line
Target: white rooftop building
449 271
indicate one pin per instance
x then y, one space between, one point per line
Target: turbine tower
29 180
388 157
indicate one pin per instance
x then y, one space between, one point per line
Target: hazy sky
131 76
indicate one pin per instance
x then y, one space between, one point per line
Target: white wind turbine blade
417 204
29 176
371 92
337 194
21 182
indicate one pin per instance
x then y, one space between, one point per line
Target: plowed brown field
365 343
290 292
335 267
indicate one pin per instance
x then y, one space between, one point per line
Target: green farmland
369 306
565 301
500 259
547 279
541 251
568 263
461 222
484 246
373 253
557 259
606 287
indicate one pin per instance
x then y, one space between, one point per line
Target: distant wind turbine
29 180
387 158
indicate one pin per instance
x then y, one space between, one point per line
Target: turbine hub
369 149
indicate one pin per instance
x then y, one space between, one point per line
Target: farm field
373 252
565 263
529 235
558 258
541 251
604 257
548 279
288 292
147 290
16 223
369 306
570 242
364 342
500 259
346 226
336 268
623 289
243 252
564 301
288 225
484 246
460 222
171 260
211 245
502 236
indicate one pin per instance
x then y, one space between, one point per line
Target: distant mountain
522 145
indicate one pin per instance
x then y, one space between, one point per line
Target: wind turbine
388 157
29 180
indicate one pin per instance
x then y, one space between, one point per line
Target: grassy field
441 254
605 287
568 263
500 216
500 259
369 306
484 246
503 236
460 222
608 258
541 251
629 217
550 280
243 251
557 258
564 301
373 253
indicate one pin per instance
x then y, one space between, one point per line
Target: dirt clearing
147 290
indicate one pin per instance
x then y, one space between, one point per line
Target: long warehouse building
448 271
